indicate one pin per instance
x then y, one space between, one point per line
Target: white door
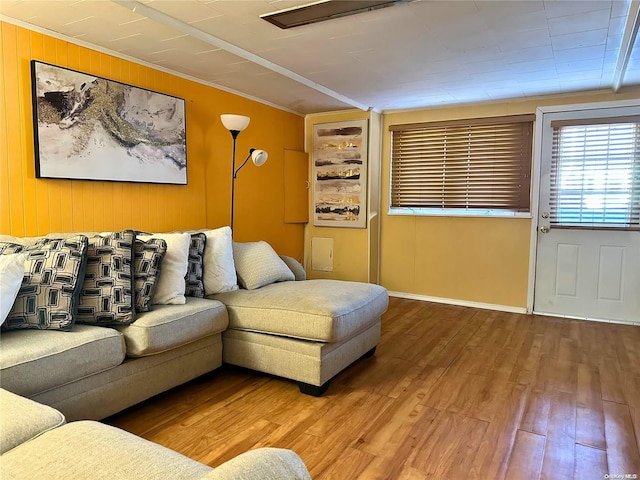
588 240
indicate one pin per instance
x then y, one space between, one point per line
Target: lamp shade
259 157
234 122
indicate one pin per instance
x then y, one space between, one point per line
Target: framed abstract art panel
340 174
90 128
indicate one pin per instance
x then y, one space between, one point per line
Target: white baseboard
460 303
590 319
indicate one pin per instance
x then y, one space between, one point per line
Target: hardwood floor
453 392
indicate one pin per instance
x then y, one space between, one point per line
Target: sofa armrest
295 266
262 464
22 419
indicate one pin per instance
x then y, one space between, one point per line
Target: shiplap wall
33 206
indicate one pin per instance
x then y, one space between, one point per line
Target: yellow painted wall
483 260
33 206
350 254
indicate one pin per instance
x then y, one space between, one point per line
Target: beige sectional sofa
276 322
37 443
280 324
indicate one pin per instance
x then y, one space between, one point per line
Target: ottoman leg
313 390
370 353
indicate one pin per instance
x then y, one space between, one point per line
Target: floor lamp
235 124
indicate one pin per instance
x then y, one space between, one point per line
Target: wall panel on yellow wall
351 245
33 206
296 186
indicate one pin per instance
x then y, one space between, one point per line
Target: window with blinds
595 174
477 167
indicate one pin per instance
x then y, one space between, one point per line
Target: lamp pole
235 124
234 134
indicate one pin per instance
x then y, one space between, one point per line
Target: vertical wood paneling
18 136
5 181
127 206
49 191
39 191
63 187
33 206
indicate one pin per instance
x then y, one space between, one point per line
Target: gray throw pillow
107 294
295 266
53 278
257 265
195 269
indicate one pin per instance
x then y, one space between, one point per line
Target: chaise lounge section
307 331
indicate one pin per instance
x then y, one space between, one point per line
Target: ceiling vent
324 10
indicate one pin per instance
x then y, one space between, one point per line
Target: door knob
545 215
544 229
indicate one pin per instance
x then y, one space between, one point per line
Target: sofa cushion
11 276
171 285
107 294
92 450
169 326
53 277
22 419
195 269
147 262
33 361
219 270
262 464
258 265
319 310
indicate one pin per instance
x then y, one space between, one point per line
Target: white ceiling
417 54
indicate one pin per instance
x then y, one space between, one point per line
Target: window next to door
477 167
595 174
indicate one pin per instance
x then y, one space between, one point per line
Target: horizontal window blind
482 164
595 175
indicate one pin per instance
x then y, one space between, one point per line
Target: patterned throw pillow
146 270
54 274
107 294
8 248
195 270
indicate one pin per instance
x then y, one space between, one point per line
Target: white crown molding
163 18
626 44
128 58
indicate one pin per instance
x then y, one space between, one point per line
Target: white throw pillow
219 269
258 264
171 285
11 275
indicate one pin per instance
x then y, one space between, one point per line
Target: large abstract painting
340 174
87 127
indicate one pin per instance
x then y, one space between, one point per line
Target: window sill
454 212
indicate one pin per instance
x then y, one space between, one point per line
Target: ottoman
307 331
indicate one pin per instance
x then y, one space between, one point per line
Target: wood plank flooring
453 392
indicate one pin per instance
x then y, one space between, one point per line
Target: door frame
536 173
